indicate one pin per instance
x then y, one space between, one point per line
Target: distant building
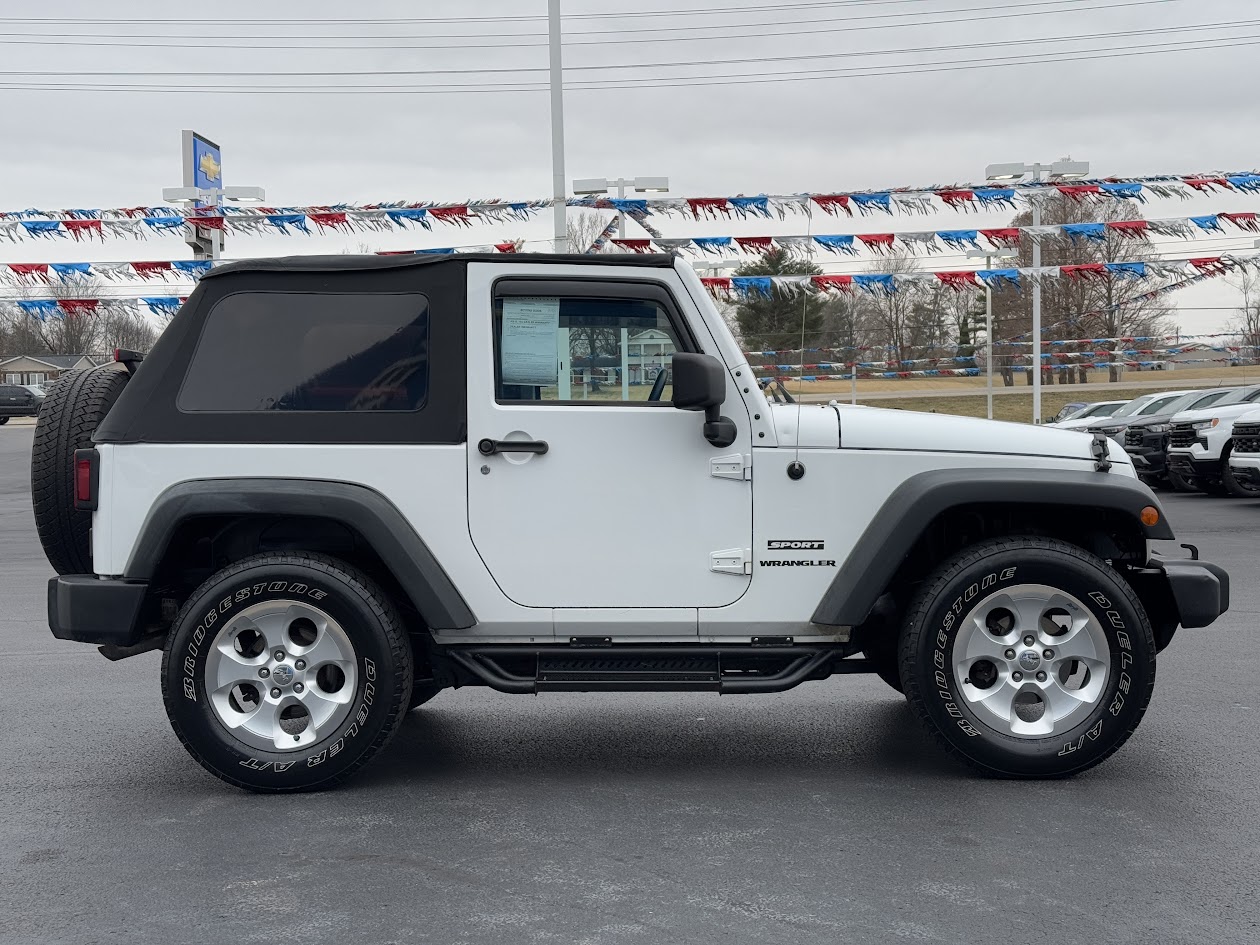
42 368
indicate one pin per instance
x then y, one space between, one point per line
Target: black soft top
342 263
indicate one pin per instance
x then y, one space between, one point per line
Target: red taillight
86 477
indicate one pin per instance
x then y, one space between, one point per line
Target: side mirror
700 384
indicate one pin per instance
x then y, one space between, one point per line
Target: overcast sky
1176 112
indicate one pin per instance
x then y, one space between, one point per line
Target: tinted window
1207 401
264 351
1158 405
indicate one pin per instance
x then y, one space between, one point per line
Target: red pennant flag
151 270
957 280
1087 269
877 241
78 306
1209 264
209 223
330 221
833 282
718 284
1077 191
505 247
38 270
1207 184
1004 236
81 229
708 206
956 198
449 214
1244 221
395 252
635 245
831 203
1130 229
755 244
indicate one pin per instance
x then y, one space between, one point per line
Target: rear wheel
286 672
1028 657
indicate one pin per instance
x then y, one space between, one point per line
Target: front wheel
1239 490
1028 657
286 672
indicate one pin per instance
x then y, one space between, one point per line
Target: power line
660 82
604 35
1087 37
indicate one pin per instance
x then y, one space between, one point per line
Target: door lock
489 447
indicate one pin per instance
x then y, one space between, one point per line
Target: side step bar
652 668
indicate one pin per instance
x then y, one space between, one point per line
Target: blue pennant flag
996 278
1134 270
162 305
1248 183
750 206
837 244
992 198
43 227
867 202
409 215
1209 223
959 239
1124 191
630 205
282 222
193 268
875 283
164 223
71 270
443 251
1097 232
749 285
711 244
40 308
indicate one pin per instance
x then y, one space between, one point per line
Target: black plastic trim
1200 588
88 609
364 510
906 513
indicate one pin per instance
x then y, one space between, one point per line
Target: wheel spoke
326 649
323 705
996 700
234 668
229 715
1077 643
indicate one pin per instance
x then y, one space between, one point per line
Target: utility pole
989 255
558 191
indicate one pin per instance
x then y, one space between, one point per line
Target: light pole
1063 169
990 255
557 127
598 185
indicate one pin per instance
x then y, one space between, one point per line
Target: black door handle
488 447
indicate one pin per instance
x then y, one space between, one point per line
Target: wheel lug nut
1017 675
300 664
264 672
1041 677
279 655
275 693
1010 654
1029 640
298 687
1048 654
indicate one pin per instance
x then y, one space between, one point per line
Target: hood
1227 412
1082 423
879 428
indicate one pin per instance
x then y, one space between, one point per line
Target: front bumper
1189 466
1199 588
1246 475
1149 459
88 609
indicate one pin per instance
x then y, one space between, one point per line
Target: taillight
86 477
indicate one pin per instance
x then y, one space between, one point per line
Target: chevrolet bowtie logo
210 167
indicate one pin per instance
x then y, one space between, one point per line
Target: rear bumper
88 609
1199 588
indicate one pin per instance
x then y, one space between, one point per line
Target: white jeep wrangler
338 486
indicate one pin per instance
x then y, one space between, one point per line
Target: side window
289 351
579 350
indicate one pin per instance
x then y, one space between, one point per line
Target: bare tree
901 322
126 330
62 333
584 228
1247 319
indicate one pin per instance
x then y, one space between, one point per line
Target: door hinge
732 561
733 466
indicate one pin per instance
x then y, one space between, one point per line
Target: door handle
489 447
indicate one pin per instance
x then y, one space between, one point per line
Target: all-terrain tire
225 612
1235 488
966 595
73 409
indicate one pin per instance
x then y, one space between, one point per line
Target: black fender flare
360 508
900 521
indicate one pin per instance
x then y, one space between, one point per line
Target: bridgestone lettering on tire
1028 658
286 672
73 409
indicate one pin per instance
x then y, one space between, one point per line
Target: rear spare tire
73 409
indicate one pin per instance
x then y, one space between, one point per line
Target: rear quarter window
310 352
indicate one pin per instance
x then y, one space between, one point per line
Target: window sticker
530 327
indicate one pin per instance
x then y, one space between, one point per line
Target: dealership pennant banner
142 222
738 288
44 309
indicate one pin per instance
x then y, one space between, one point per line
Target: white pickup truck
340 485
1200 444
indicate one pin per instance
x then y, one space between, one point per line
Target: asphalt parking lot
816 816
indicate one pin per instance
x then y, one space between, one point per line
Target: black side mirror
700 384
